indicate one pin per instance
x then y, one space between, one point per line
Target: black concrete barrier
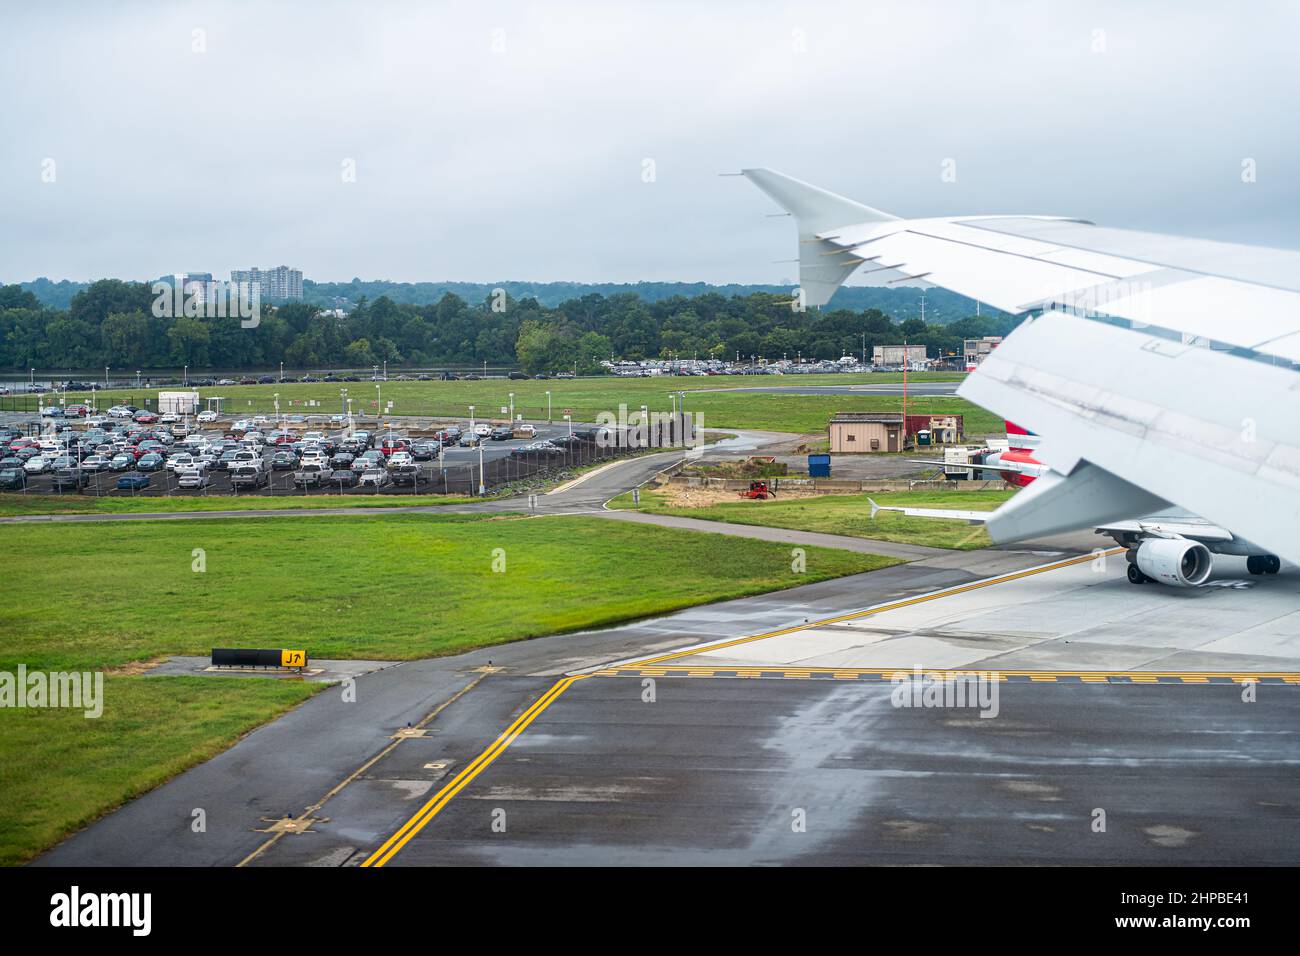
250 657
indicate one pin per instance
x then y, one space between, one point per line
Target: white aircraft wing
1157 369
970 517
1011 466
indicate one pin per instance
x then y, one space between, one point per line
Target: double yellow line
444 796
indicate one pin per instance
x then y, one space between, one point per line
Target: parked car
145 417
405 474
248 477
194 478
133 481
342 459
13 479
344 478
206 416
151 462
312 475
36 465
66 479
284 461
400 458
374 478
502 433
483 430
469 440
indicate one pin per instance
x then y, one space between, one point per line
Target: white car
36 465
207 416
314 436
242 425
167 419
400 458
374 477
120 411
259 420
483 430
194 478
179 463
338 419
95 463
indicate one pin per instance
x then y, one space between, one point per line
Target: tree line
112 323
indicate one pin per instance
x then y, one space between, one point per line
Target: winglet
816 212
874 507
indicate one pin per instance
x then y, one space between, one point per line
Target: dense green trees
113 323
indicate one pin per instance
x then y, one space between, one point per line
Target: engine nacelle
1174 561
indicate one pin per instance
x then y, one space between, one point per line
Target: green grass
587 397
848 515
90 596
60 770
387 586
21 504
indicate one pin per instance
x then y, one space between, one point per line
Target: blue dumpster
819 466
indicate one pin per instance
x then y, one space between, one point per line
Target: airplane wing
1012 466
1156 369
970 517
1194 530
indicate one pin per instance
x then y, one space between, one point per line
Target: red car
391 445
146 418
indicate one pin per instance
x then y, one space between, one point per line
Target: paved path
890 549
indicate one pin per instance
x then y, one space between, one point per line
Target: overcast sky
500 141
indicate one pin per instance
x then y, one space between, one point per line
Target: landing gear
1263 564
1135 576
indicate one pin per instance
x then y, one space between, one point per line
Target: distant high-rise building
281 282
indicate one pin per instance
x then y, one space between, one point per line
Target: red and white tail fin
1020 439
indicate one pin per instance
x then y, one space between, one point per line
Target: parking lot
295 456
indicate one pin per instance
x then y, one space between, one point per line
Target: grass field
387 586
586 397
23 504
87 597
59 770
848 515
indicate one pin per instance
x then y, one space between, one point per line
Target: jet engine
1174 561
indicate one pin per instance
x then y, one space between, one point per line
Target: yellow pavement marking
948 674
880 609
363 768
439 800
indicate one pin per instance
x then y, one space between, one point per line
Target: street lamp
379 402
482 488
548 407
512 407
569 419
281 373
471 418
137 378
185 375
106 376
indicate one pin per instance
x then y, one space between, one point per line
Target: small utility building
865 432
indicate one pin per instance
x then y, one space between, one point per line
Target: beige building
866 432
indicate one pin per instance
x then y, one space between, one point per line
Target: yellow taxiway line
439 800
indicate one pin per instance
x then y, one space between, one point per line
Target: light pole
569 419
32 381
548 407
185 375
281 373
385 370
471 418
482 488
278 420
379 402
106 376
512 409
137 378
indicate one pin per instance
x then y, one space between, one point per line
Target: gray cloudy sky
480 164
